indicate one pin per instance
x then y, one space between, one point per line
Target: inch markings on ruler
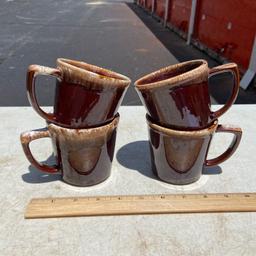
140 204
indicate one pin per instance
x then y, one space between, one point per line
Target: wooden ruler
140 204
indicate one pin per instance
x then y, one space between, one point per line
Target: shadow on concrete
220 85
212 170
36 176
136 156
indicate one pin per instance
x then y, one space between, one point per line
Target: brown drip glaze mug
85 95
84 156
178 157
178 96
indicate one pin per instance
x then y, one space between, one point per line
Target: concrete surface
191 234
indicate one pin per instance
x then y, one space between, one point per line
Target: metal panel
192 20
250 73
179 14
228 28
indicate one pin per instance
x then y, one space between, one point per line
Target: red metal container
148 5
228 27
160 8
179 14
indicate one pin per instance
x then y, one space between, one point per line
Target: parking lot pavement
112 34
107 34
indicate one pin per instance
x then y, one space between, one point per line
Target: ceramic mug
84 156
178 96
178 157
86 95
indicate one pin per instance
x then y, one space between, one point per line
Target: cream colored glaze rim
91 75
178 133
89 133
176 80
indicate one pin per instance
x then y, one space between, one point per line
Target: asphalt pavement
113 34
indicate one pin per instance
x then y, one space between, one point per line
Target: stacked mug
84 121
180 121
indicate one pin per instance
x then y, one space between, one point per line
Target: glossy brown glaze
178 157
88 108
86 95
84 156
178 96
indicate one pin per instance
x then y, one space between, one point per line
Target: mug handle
32 72
26 138
232 147
229 67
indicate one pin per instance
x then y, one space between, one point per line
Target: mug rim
92 131
175 80
93 73
182 133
